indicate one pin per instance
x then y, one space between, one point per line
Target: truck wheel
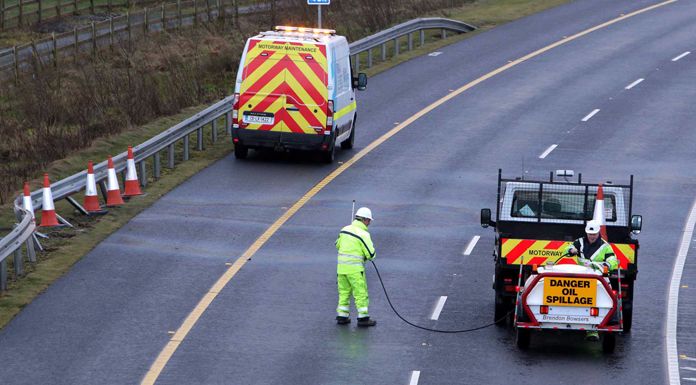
348 143
501 311
627 318
608 343
240 151
522 338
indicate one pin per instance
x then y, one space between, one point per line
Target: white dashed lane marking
548 151
471 245
590 115
438 308
415 375
628 87
681 56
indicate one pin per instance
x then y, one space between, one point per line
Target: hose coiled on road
423 327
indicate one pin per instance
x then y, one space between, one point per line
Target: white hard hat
364 212
592 227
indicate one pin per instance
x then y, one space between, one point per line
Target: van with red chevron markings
295 90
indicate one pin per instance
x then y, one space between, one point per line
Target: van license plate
251 117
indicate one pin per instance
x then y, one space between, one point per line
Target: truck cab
537 220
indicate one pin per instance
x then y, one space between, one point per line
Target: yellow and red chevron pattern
538 252
289 80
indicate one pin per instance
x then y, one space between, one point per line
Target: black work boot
342 320
366 322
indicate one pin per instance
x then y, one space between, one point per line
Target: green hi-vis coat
354 246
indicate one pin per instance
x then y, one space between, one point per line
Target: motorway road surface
108 319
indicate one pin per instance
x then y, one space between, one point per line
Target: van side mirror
636 223
360 82
486 218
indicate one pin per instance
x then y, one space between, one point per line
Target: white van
295 91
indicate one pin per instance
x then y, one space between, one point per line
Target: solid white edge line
415 376
590 115
690 379
673 306
628 87
471 245
683 357
438 308
548 151
689 368
681 56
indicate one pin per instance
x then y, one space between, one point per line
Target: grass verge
67 246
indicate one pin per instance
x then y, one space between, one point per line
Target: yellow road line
203 304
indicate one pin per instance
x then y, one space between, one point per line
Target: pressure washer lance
429 329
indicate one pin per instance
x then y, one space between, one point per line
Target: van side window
342 75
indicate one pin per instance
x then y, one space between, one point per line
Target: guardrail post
16 63
111 31
228 123
199 139
21 12
195 13
384 52
40 10
356 62
422 37
396 47
178 12
94 39
207 9
170 155
91 6
2 15
213 127
3 275
186 147
128 25
18 262
143 173
75 6
59 11
369 58
163 18
444 33
146 22
103 190
55 49
31 253
156 165
77 44
410 41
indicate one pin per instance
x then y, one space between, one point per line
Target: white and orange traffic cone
91 202
48 210
113 191
132 185
27 204
598 214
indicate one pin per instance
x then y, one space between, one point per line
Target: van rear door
284 87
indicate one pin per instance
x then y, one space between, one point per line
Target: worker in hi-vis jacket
354 247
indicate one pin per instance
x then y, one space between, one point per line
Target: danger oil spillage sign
570 291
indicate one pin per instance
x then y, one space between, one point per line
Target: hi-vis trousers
356 285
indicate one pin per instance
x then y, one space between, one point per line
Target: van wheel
348 143
329 156
522 338
241 151
608 342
